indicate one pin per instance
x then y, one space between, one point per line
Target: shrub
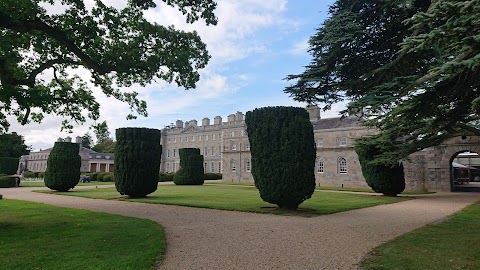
212 176
28 174
9 181
108 177
8 165
63 167
283 154
382 178
101 175
41 174
93 176
191 167
166 177
137 161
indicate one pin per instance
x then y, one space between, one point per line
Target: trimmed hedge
212 176
191 167
63 167
93 176
9 181
108 177
8 165
386 179
166 177
283 154
101 175
137 161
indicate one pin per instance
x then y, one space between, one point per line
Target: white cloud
300 47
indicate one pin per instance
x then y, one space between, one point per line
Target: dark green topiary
283 154
63 166
166 177
8 165
191 167
386 179
9 181
137 161
212 176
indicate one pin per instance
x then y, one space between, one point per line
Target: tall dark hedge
63 166
191 167
137 161
8 165
386 179
283 154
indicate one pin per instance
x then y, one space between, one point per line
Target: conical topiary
191 167
63 166
137 161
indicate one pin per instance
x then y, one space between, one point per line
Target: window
320 165
319 143
219 167
247 146
186 139
175 140
213 137
234 147
199 138
193 138
174 152
168 153
212 167
213 151
342 141
342 165
205 166
205 151
233 165
181 139
248 165
206 137
169 139
233 133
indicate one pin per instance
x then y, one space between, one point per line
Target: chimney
239 116
59 140
313 113
179 124
231 118
217 120
78 140
68 139
193 122
206 121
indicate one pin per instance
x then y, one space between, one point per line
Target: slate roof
337 123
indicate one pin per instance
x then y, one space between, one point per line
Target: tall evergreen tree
283 154
63 166
410 66
137 161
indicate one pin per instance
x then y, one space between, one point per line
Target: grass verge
42 184
245 199
452 244
39 236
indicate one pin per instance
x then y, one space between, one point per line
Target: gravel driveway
215 239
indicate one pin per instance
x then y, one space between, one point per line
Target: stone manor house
226 150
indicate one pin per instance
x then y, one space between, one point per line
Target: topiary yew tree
283 154
191 167
382 178
137 161
63 166
8 165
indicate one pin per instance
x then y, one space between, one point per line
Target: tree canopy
410 67
13 145
40 50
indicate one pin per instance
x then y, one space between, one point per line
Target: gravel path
214 239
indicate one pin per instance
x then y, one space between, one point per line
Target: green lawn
39 236
41 184
240 198
452 244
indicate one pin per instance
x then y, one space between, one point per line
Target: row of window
246 163
342 167
208 167
206 137
342 141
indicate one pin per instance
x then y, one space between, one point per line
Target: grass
245 199
41 184
452 244
39 236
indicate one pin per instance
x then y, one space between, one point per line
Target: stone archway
430 169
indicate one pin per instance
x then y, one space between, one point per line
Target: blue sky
255 45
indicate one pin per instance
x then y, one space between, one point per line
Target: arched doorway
465 171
